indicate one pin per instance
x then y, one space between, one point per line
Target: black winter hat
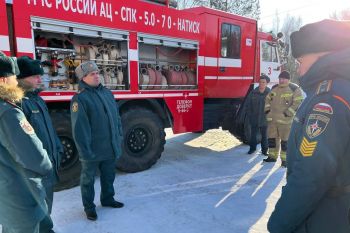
8 66
264 76
29 67
323 36
284 74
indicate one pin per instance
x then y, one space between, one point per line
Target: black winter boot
284 164
91 215
269 160
251 151
114 204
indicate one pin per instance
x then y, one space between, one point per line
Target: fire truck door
234 75
229 56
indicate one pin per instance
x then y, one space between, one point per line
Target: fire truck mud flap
144 140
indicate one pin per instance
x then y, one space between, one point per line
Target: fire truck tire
144 140
69 172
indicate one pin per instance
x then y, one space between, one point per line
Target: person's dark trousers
253 139
46 224
87 180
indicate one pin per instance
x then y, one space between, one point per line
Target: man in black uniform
37 114
98 135
316 198
257 116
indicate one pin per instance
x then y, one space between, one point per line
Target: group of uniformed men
31 150
271 113
316 198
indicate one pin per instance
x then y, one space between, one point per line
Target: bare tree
290 24
342 15
249 8
276 22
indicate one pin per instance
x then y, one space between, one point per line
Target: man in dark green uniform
97 133
316 198
36 112
23 161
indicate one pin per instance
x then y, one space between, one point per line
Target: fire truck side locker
151 72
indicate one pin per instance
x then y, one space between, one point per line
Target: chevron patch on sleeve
307 148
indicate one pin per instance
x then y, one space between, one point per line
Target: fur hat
8 66
264 76
29 67
323 36
85 68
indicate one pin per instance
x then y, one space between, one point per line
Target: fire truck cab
185 69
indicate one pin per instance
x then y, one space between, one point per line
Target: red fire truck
185 69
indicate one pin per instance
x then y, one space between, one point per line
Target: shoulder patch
324 86
307 148
75 106
323 107
26 126
316 125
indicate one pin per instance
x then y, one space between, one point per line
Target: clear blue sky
309 10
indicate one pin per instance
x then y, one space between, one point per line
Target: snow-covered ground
203 183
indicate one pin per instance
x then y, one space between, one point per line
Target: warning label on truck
183 105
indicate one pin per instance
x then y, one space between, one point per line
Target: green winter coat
316 198
23 163
96 124
36 112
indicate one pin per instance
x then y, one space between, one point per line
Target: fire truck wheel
69 172
144 140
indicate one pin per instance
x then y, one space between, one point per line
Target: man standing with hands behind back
97 132
256 115
36 112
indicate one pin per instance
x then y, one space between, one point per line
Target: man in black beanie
316 198
280 107
23 162
37 114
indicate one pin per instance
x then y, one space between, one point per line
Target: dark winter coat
23 164
316 198
96 123
255 107
36 112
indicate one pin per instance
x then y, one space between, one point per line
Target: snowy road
203 183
